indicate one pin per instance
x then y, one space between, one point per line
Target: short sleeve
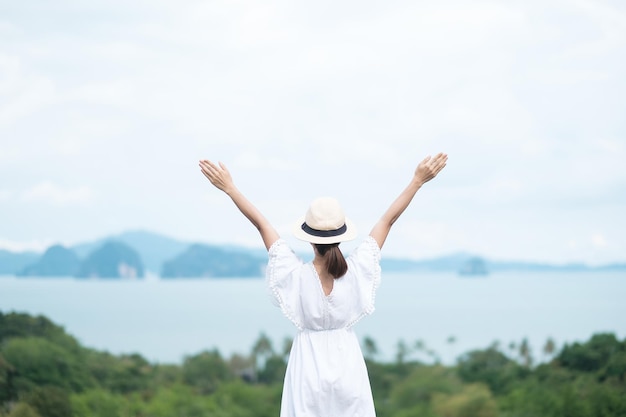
364 263
282 278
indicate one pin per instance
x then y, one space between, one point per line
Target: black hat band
324 233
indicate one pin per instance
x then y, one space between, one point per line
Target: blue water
164 320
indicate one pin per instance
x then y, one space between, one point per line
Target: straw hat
325 223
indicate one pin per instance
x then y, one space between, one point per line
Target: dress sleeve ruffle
282 278
365 263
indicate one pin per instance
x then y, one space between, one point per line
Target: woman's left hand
430 167
218 175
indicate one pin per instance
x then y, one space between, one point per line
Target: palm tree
513 347
451 340
402 351
242 366
549 348
420 346
495 345
287 343
262 350
369 345
524 351
434 356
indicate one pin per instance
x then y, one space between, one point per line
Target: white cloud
598 240
49 193
526 98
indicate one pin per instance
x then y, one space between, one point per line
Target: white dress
326 374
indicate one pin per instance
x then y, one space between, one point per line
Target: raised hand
218 175
425 171
430 167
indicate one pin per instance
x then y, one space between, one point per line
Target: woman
326 374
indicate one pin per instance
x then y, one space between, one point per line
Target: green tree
164 375
98 403
274 370
615 367
245 400
421 385
19 325
40 362
489 366
593 355
205 371
383 377
23 410
120 374
475 400
8 390
50 401
178 400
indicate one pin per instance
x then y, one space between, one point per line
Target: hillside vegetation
45 372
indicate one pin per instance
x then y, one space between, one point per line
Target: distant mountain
56 261
13 262
459 262
170 258
214 261
153 248
536 266
113 260
475 266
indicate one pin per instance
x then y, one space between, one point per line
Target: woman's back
326 374
297 290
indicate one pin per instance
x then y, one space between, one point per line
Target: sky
107 106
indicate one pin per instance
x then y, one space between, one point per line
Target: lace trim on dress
374 276
272 282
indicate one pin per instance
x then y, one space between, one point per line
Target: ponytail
335 262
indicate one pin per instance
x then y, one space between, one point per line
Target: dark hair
335 262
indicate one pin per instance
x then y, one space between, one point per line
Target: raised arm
425 171
221 178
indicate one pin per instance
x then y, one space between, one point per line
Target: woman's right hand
218 175
430 167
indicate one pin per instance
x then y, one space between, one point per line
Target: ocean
165 320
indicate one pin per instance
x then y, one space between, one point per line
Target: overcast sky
107 105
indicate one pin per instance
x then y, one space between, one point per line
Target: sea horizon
166 319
